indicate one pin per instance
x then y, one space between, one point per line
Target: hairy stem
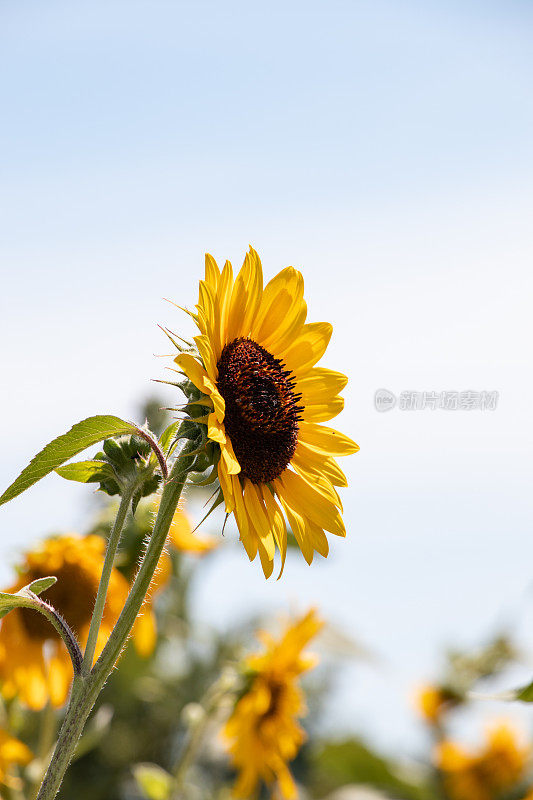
47 734
61 626
112 545
86 688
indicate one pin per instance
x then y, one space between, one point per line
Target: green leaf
525 694
352 762
153 780
79 437
23 598
167 437
41 584
86 471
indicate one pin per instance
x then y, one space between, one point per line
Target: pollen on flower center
262 410
72 596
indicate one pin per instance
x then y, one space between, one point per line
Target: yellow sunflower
263 732
256 372
12 752
34 663
485 775
432 702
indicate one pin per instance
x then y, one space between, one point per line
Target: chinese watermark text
468 400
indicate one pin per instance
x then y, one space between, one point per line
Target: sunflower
34 663
263 732
11 752
255 370
485 775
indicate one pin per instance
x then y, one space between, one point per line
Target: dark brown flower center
262 410
277 691
73 595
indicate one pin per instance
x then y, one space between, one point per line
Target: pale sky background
385 148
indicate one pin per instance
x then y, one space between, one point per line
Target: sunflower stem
61 626
112 546
47 734
86 688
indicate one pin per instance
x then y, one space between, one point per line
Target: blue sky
382 147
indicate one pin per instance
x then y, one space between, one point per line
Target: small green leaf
167 437
79 437
41 584
525 694
23 598
153 780
86 471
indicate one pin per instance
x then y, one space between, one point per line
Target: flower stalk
61 626
87 687
112 546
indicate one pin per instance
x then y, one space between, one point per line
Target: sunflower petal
298 527
322 412
215 430
319 385
258 517
226 484
230 461
254 288
223 299
318 481
193 370
206 352
247 536
279 306
318 539
309 502
277 523
212 272
326 440
267 561
309 346
315 463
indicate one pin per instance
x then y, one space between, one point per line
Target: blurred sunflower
263 733
256 371
183 540
11 752
434 701
34 663
497 768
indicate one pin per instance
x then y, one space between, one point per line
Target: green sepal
219 499
211 478
188 349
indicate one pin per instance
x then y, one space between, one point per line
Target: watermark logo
468 400
384 400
